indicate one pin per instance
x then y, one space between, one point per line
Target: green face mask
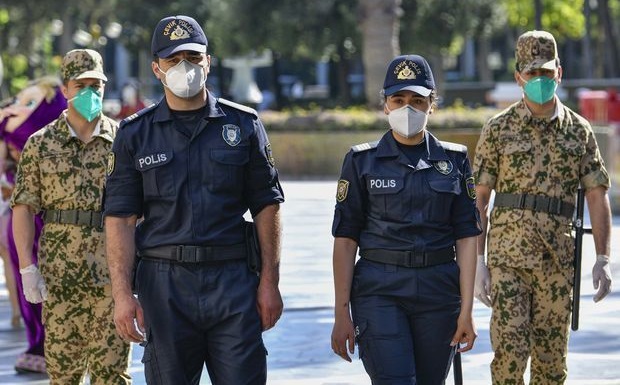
540 89
88 103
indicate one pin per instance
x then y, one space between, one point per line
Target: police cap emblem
231 134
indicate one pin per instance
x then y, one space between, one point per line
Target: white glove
601 277
482 286
34 286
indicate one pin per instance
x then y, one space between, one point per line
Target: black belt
75 217
409 258
539 203
196 254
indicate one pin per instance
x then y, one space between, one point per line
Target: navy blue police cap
411 73
178 33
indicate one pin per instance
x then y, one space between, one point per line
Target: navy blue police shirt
386 202
191 187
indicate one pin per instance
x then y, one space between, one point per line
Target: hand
34 286
482 286
601 277
129 318
343 336
269 303
465 333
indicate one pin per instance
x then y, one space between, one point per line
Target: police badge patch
111 161
471 187
343 190
231 134
269 154
443 166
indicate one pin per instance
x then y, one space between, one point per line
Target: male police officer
534 155
191 166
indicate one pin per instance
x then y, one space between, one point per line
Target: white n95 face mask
185 79
407 121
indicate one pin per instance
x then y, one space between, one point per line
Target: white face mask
407 121
185 79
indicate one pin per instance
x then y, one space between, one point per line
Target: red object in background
600 107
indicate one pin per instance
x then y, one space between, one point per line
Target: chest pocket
227 169
443 189
59 177
517 159
385 198
157 173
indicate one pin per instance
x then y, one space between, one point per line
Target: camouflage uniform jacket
57 171
520 154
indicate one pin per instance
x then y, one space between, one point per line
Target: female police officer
407 201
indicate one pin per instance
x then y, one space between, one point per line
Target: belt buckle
522 198
555 208
179 253
83 218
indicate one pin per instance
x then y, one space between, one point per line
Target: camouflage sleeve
27 181
592 168
486 160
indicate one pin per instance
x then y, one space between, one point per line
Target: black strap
409 258
86 218
538 203
196 254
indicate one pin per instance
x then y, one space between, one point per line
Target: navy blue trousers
405 319
198 314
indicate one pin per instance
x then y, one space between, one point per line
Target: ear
518 79
155 69
64 90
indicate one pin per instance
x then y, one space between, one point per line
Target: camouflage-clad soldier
535 154
62 173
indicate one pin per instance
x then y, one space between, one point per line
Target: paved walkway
299 351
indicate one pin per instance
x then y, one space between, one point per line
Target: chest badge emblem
231 134
443 166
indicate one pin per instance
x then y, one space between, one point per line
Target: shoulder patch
453 146
137 114
365 146
237 106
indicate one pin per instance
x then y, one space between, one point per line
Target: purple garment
44 114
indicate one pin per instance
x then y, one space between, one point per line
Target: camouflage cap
82 64
536 49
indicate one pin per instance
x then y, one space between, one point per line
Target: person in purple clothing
33 108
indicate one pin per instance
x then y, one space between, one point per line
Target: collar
525 114
103 129
163 113
388 147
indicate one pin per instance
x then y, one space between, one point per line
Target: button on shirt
520 154
191 186
386 202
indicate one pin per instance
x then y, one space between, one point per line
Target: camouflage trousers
80 337
530 319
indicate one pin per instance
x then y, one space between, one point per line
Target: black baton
457 368
579 231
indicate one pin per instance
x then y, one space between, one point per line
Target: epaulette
453 146
237 106
136 114
365 146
